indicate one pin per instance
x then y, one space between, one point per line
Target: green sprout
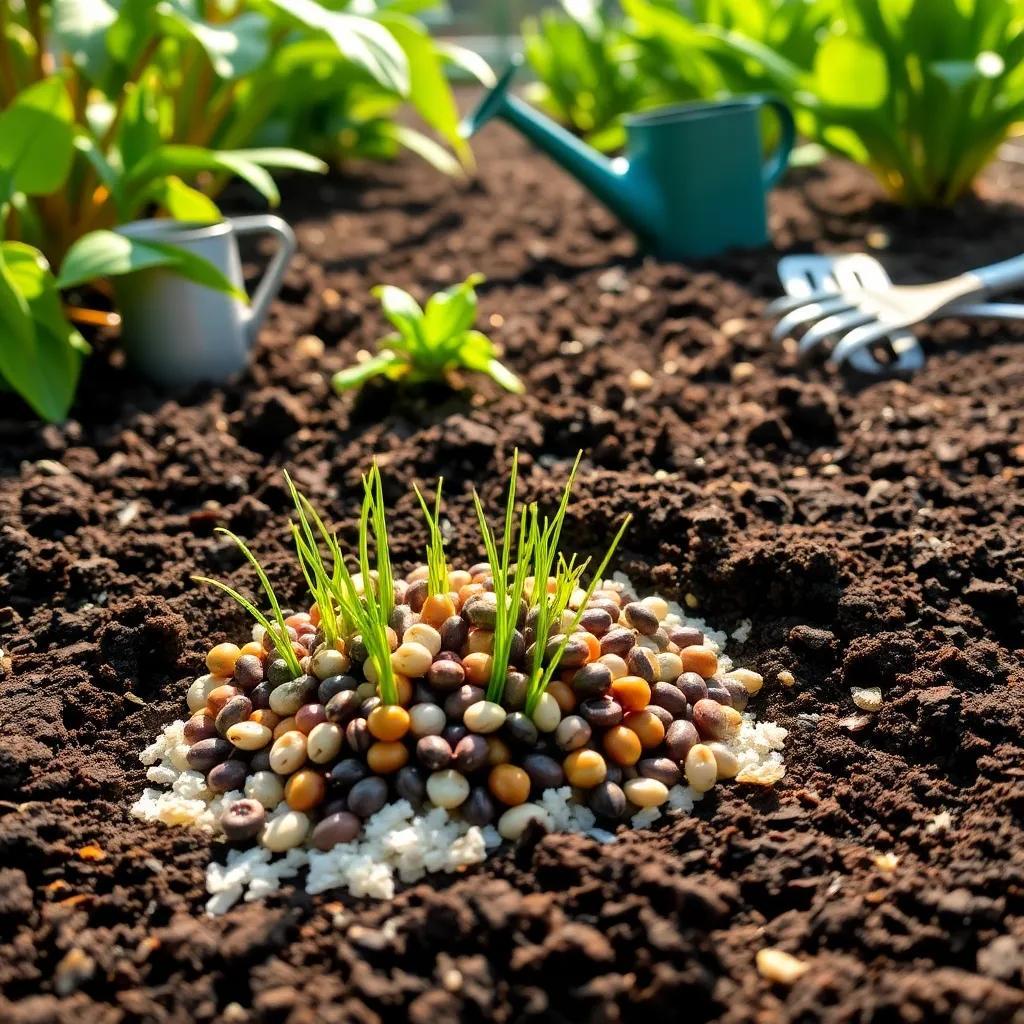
338 598
429 345
508 594
279 634
437 567
549 607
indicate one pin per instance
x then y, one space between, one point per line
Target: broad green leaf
361 40
402 310
139 134
356 376
183 202
428 88
109 254
850 73
247 164
478 353
451 313
466 60
37 138
235 48
81 27
423 146
40 352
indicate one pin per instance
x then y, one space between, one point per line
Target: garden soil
871 533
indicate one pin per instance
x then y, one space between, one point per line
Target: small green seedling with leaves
430 344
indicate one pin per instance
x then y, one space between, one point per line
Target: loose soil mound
872 536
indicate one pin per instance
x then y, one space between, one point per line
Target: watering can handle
270 283
779 160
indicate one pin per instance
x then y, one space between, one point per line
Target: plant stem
34 10
8 79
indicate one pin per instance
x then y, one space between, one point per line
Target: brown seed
243 820
596 621
341 827
591 680
514 697
685 636
663 769
607 800
545 772
679 739
470 754
201 726
433 752
445 675
601 712
641 618
219 696
226 776
248 672
738 695
464 697
358 737
202 756
643 663
342 707
454 632
669 697
714 721
309 716
618 640
692 687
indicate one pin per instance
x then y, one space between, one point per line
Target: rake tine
836 324
787 303
807 313
859 338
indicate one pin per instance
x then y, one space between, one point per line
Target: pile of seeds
643 712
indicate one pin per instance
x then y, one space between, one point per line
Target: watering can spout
614 182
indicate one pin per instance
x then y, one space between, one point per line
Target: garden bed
870 535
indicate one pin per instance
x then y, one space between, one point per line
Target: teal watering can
694 178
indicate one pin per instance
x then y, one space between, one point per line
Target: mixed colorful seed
475 690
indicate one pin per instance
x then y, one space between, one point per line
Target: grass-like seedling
549 604
508 593
430 344
278 633
438 605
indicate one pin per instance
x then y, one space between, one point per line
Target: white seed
786 678
288 754
484 717
364 690
728 763
867 698
249 735
752 681
512 824
324 742
427 720
565 623
647 642
447 788
775 965
616 665
658 605
265 787
412 659
286 832
670 667
547 714
200 690
370 671
645 792
426 636
701 767
330 662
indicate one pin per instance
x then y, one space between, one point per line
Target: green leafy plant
430 344
277 630
921 91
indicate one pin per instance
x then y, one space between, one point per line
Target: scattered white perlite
398 843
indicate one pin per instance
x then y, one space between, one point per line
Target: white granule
742 632
756 746
645 818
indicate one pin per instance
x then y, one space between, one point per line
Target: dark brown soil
873 534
